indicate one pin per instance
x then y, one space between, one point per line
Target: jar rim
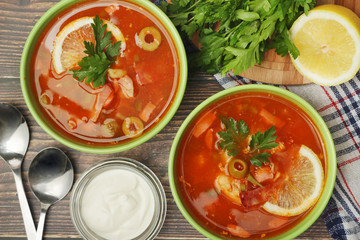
125 164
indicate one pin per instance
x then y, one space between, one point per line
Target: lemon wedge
69 43
300 189
328 39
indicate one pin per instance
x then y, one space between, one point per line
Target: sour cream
118 204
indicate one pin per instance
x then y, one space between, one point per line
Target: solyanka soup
251 165
105 72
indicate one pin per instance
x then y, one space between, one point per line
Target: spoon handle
40 227
24 206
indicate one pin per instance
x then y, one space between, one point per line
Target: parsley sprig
101 55
234 135
247 30
262 141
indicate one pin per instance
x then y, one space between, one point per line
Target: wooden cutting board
280 70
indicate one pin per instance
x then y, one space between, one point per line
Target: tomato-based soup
233 206
139 85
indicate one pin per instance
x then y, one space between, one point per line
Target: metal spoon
51 176
14 141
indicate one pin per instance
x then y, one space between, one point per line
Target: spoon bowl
51 176
14 135
14 141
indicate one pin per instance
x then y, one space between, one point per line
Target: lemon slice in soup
69 43
300 188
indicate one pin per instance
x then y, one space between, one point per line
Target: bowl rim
317 120
59 135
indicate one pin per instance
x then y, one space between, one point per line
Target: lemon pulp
69 43
301 187
329 43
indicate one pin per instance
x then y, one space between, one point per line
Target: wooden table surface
17 17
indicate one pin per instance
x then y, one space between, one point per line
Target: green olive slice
132 127
238 168
149 39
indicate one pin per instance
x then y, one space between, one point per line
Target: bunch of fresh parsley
99 57
248 28
235 134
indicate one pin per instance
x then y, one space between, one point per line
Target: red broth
70 104
199 162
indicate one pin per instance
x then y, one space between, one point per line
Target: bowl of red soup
252 162
103 76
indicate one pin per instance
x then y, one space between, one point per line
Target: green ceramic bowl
61 136
311 112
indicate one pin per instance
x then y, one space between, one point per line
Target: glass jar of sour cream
118 199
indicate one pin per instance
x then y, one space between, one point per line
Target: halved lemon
329 43
69 43
301 187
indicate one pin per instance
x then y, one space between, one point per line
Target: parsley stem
251 179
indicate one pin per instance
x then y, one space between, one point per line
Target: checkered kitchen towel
339 106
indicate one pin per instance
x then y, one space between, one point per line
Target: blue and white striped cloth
339 106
